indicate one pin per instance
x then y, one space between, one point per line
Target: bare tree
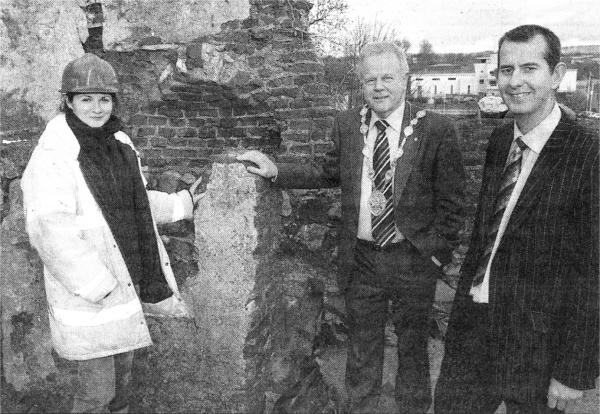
425 47
405 44
371 31
365 32
326 22
426 55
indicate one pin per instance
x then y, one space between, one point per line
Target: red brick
227 122
178 142
187 132
257 131
299 148
158 142
180 152
225 132
190 113
138 119
146 131
207 132
295 135
177 122
208 112
157 120
196 143
166 132
196 122
170 112
239 132
140 142
247 121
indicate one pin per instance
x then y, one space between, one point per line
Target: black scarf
111 172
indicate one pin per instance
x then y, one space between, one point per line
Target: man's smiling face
384 83
526 81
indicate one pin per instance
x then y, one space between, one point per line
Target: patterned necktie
383 228
509 179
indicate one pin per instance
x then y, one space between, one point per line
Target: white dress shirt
366 186
535 141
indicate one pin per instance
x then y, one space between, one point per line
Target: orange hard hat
89 74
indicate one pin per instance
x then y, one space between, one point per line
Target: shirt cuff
183 207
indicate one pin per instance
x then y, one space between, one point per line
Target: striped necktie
383 228
509 179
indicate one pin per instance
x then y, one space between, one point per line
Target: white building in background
437 81
443 79
569 82
485 68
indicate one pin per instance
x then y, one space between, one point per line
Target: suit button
128 284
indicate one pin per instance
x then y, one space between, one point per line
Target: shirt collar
538 136
394 119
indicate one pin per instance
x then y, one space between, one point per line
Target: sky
476 25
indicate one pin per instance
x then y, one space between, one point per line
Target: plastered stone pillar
237 225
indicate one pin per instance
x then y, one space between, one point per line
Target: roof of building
445 68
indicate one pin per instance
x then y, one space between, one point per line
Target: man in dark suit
402 182
524 328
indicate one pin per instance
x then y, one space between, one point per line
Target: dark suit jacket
428 184
544 277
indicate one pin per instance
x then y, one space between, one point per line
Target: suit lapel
405 163
545 166
356 157
499 144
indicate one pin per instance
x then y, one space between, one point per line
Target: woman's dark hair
68 97
527 32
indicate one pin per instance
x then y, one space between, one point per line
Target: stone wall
255 306
255 84
187 98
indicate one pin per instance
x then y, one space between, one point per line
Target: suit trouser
465 384
103 384
400 275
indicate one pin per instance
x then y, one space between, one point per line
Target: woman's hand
193 188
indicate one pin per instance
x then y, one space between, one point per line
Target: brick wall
255 84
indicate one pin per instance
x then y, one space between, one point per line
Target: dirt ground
332 362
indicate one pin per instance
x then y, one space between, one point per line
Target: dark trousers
103 384
465 384
400 275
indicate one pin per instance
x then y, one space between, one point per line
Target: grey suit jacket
428 184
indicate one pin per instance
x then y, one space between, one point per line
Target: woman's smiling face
94 109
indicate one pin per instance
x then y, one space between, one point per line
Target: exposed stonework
127 22
256 306
43 36
26 345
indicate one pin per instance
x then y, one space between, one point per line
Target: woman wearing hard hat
93 223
